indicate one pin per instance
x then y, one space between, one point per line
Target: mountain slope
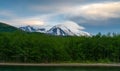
68 29
7 28
41 29
28 29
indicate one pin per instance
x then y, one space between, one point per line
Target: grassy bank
61 64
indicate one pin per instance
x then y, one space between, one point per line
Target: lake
57 68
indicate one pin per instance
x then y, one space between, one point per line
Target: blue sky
94 15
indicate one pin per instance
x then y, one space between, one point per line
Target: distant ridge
64 29
7 28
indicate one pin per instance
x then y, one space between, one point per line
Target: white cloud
90 13
31 22
27 21
23 21
73 25
98 11
95 11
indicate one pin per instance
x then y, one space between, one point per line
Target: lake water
40 68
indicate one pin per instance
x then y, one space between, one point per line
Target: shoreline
60 64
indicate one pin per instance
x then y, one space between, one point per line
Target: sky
94 15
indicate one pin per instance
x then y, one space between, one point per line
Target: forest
24 47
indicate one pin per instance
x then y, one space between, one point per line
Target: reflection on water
40 68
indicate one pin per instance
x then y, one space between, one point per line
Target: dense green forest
40 48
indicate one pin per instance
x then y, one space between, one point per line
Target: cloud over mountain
41 12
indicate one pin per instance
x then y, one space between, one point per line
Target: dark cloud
84 21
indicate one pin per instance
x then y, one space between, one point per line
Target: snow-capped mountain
42 29
28 28
68 29
65 29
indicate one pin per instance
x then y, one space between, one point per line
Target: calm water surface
40 68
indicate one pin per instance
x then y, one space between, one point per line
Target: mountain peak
68 29
28 28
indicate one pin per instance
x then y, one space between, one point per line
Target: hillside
7 28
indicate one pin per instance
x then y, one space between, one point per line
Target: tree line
41 48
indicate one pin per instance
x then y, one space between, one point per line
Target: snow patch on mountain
65 29
35 28
28 28
68 29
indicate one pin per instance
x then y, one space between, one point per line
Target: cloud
72 25
31 22
27 21
79 11
91 12
7 13
98 11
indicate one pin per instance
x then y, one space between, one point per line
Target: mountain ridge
7 28
65 29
